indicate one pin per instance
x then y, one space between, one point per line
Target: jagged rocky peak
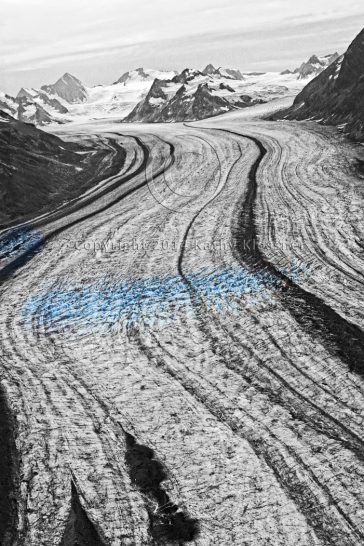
329 59
230 73
209 69
27 107
156 89
139 73
68 88
28 93
144 75
314 60
33 106
315 65
186 75
323 61
333 57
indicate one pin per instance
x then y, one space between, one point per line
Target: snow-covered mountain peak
68 88
209 69
230 73
315 65
27 92
69 78
142 74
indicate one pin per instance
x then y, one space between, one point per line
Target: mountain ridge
314 66
336 95
68 99
190 95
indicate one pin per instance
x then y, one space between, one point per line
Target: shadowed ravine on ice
339 336
317 318
18 245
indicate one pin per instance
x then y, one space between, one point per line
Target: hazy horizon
97 42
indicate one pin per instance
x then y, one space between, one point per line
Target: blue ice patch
153 301
19 239
17 246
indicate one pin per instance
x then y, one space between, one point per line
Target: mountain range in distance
314 66
147 95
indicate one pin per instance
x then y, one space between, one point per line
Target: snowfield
207 305
117 100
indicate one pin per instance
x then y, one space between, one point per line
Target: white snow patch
156 101
30 110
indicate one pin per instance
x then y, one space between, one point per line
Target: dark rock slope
9 104
336 96
39 170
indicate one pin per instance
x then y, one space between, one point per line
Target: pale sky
98 40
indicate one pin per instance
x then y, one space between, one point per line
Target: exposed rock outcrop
336 96
31 112
8 104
